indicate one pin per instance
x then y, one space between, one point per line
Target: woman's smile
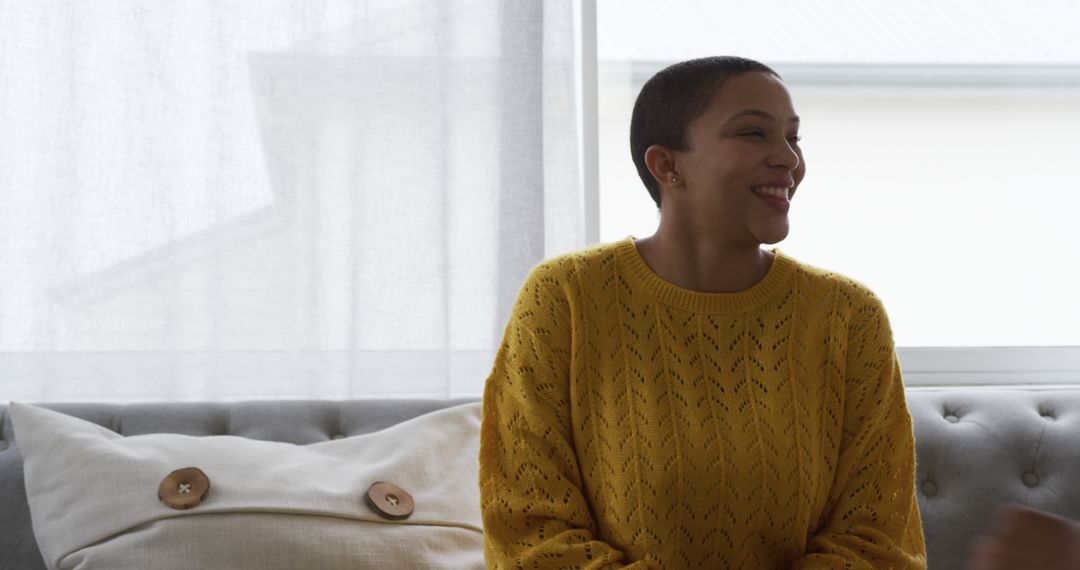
776 195
781 204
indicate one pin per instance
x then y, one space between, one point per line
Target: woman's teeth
770 191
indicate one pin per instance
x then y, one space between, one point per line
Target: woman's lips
779 204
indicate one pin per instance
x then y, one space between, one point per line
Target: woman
691 400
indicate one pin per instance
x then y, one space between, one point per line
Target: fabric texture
277 200
93 497
628 421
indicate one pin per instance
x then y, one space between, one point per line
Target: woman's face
746 140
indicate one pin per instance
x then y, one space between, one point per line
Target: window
939 140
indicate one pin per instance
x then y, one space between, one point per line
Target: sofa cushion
94 496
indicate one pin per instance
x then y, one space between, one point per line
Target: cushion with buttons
403 497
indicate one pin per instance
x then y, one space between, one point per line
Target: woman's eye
793 139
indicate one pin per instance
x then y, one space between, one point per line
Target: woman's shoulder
559 282
577 265
840 285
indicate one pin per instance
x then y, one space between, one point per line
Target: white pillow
94 502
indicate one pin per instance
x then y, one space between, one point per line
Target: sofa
978 448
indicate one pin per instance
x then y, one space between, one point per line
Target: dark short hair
672 99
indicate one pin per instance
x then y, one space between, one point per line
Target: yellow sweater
632 423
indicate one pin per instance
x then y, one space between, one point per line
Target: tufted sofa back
977 448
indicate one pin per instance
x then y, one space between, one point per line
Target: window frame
922 367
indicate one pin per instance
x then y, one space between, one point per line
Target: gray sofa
977 448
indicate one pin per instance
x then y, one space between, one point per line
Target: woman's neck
703 263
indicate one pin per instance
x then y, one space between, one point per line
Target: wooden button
184 488
390 501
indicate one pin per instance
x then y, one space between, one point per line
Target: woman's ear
661 164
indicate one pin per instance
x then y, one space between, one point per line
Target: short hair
672 99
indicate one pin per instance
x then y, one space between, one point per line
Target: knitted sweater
629 422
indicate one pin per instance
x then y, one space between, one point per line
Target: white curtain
205 200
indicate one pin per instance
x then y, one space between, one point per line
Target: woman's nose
785 155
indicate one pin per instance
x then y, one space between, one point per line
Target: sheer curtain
208 200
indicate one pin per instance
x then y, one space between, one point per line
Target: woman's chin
776 233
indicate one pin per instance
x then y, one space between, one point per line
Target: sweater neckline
642 278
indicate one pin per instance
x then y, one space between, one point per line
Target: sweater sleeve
873 520
534 511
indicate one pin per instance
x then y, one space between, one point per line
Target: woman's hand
1023 539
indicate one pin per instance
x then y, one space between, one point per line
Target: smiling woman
707 170
731 150
689 399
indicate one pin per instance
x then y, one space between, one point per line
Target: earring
674 179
